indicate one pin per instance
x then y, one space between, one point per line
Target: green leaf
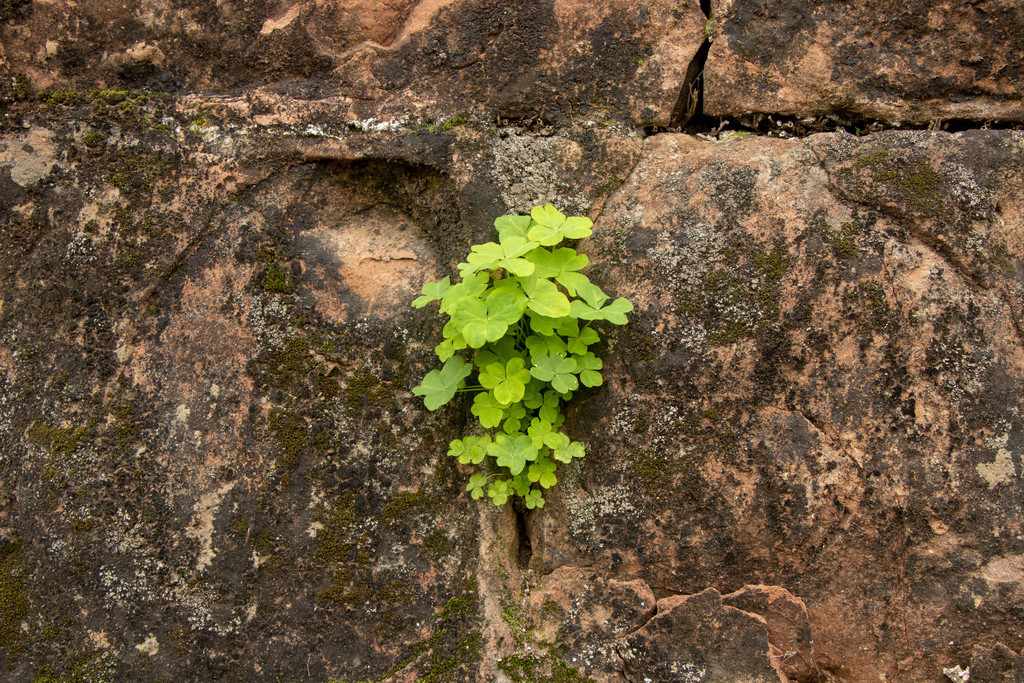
556 370
499 492
432 291
470 288
551 264
483 322
512 226
438 387
542 433
543 472
534 499
521 485
552 226
545 299
487 410
506 254
616 311
507 382
476 485
512 452
542 344
549 411
589 364
470 450
578 344
570 451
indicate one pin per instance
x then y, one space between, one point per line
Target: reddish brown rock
434 59
913 62
698 638
789 630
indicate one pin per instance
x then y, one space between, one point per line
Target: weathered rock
789 630
207 435
913 62
434 59
997 664
813 354
697 638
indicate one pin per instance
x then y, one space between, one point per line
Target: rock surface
914 62
805 463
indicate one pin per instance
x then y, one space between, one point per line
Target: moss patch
13 597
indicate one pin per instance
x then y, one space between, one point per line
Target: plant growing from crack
522 316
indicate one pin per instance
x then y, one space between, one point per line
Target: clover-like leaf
470 450
556 370
578 344
499 491
543 344
534 499
549 408
512 226
569 451
507 382
432 291
513 451
487 410
552 226
471 287
543 472
589 365
476 485
542 433
545 299
616 311
521 485
506 254
551 264
438 387
483 322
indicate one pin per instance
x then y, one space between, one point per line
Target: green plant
523 315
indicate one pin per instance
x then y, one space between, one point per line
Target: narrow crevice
689 104
525 552
779 126
705 7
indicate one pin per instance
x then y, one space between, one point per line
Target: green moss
457 120
335 539
289 364
460 604
62 442
653 468
529 669
437 543
275 279
342 591
137 172
551 609
61 97
364 390
291 434
94 138
14 603
400 506
910 181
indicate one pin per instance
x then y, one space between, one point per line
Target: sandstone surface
805 463
915 62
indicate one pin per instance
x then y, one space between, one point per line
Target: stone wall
805 461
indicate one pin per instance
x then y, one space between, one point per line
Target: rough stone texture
913 61
823 372
697 638
537 60
789 629
807 452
